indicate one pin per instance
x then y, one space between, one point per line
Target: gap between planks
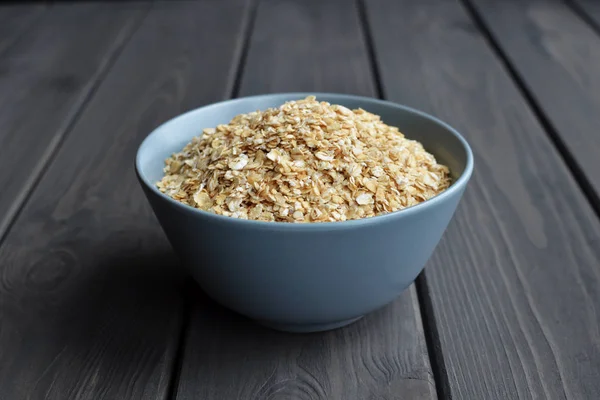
7 221
580 11
568 158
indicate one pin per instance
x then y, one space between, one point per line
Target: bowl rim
455 187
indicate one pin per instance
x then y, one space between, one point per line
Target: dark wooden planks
290 37
514 284
15 20
45 78
90 292
380 357
557 56
303 46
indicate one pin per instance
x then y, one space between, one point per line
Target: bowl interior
438 138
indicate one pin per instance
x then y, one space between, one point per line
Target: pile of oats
306 161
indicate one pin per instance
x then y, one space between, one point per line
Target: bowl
311 276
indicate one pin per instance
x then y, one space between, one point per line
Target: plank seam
568 158
580 12
243 48
432 339
184 334
369 43
62 134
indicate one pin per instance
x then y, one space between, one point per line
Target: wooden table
93 303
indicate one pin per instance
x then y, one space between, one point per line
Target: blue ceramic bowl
305 277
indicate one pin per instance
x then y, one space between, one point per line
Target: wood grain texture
15 20
229 357
307 46
515 283
45 78
90 291
557 55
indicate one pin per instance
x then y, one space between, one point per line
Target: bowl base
307 328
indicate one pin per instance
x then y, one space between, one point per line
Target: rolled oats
306 161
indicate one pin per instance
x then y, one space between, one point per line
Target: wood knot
51 271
